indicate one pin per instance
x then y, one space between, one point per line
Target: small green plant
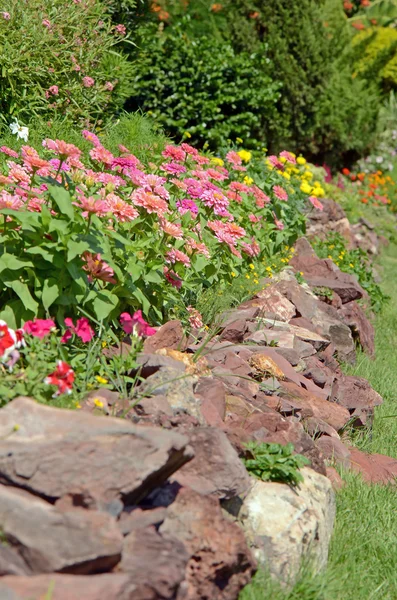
275 462
323 291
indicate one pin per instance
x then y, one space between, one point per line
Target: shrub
59 58
201 88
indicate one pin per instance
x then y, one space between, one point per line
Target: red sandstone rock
170 335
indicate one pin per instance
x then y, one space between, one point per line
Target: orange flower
216 7
358 25
345 171
361 176
254 15
364 200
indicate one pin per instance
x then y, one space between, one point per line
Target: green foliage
46 49
202 88
355 262
274 462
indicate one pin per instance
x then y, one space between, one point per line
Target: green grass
363 551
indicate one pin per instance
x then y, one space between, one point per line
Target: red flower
7 343
345 171
136 323
83 330
62 377
39 327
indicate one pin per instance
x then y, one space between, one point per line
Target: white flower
20 131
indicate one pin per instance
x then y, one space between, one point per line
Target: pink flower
279 224
92 205
253 218
120 29
174 152
109 86
136 324
56 163
280 193
173 168
316 202
9 152
149 201
172 229
83 330
39 327
227 232
217 201
62 377
120 209
88 82
260 197
215 174
14 202
127 162
189 149
275 162
193 188
100 154
187 205
17 173
199 247
54 90
46 23
91 137
98 268
62 148
195 318
175 255
288 156
6 16
234 158
172 278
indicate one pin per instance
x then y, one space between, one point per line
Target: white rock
287 527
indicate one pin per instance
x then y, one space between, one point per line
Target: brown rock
271 300
211 393
324 273
99 461
70 587
375 468
148 364
220 563
333 414
234 332
263 366
335 478
170 335
247 314
355 392
317 428
133 518
334 451
354 316
47 539
216 469
155 563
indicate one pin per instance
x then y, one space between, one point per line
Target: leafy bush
201 88
355 262
59 58
274 462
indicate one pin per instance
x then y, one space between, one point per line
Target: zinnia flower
316 202
175 255
195 318
62 377
172 278
100 154
39 328
149 201
280 193
175 153
92 205
98 268
62 148
288 156
8 151
120 29
172 229
91 137
187 205
120 209
88 82
136 324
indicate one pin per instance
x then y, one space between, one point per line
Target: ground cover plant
274 462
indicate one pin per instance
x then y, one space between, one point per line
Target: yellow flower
317 192
251 266
307 175
256 281
101 379
329 256
217 161
245 155
239 140
16 428
351 265
286 175
306 188
98 403
300 160
248 180
301 273
340 256
269 269
78 405
233 274
104 344
187 134
332 246
247 277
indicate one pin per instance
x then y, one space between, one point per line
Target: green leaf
76 248
39 250
62 200
29 221
103 304
9 261
50 293
22 290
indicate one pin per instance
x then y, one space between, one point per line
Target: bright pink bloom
91 137
193 188
288 156
199 247
316 202
92 205
217 201
39 327
187 205
62 148
62 377
14 202
253 218
8 151
136 324
173 168
17 173
125 162
227 232
215 174
88 82
46 23
100 154
189 149
275 162
173 256
234 158
260 197
237 186
195 318
55 163
83 330
6 16
54 90
120 209
175 153
98 268
109 86
234 196
172 278
280 193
